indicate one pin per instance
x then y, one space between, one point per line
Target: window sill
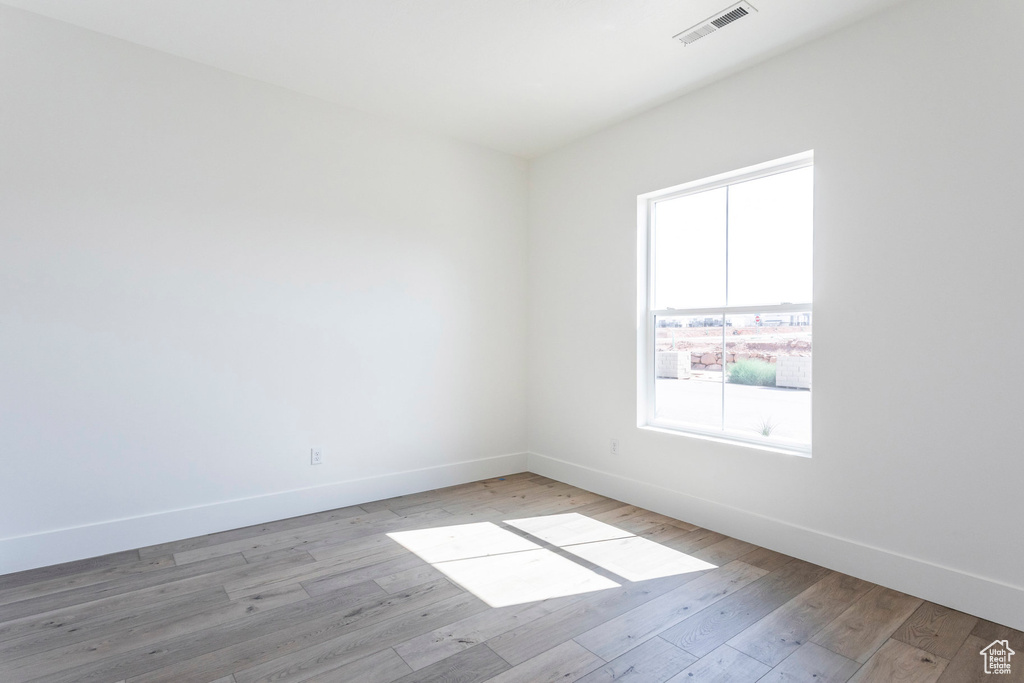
730 441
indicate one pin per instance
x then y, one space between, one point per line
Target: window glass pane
768 378
688 370
770 239
689 238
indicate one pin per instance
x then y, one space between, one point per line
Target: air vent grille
730 17
712 24
704 30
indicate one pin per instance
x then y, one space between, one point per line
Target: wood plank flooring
514 579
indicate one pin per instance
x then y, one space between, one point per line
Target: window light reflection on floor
568 529
503 568
638 559
620 552
500 567
446 543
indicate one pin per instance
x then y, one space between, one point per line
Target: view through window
728 315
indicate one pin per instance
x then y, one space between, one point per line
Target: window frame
647 318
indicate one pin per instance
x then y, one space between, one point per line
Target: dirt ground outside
705 343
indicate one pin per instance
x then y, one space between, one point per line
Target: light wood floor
332 597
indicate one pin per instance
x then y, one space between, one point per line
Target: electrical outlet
615 446
316 456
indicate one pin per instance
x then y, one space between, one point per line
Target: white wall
916 479
201 276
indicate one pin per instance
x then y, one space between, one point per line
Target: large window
726 331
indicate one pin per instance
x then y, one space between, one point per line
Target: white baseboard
984 597
90 540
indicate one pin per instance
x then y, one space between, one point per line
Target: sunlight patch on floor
638 559
620 552
502 568
568 528
515 578
446 543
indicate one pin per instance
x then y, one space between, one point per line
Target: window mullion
724 361
725 358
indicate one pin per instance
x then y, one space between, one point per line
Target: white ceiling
521 76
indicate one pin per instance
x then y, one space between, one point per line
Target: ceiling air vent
712 24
